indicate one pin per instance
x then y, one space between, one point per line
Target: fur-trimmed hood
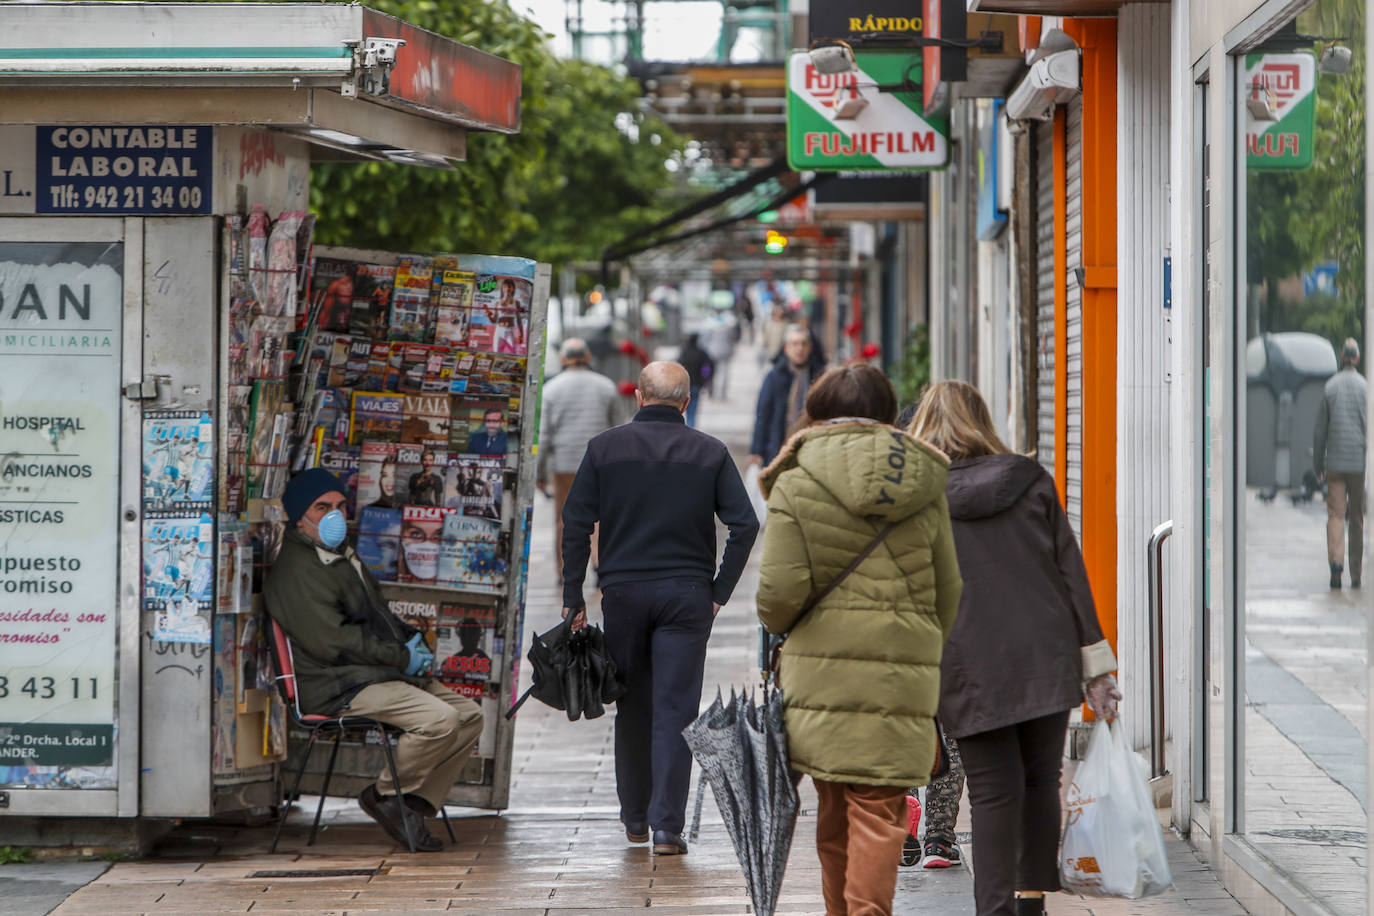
872 469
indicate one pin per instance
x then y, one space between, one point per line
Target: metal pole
1155 575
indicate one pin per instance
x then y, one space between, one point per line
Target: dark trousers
1013 791
656 632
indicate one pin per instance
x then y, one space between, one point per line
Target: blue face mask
333 528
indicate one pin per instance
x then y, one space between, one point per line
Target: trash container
1286 374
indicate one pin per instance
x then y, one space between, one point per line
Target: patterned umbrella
742 750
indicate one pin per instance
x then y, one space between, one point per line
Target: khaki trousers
859 834
440 730
562 486
1344 490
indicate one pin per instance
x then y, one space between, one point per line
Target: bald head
574 352
663 382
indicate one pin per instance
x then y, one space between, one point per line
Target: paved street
559 848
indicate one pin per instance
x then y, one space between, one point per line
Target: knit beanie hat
306 487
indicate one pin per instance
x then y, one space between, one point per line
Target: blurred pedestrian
859 533
656 488
699 367
939 848
578 404
773 330
718 336
1027 642
782 396
1338 444
744 315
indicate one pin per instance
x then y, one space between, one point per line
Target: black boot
1336 570
1030 906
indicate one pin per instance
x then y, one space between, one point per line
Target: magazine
414 364
478 425
178 575
379 532
421 470
343 462
422 615
500 314
281 266
379 484
454 307
178 460
421 533
410 300
465 650
332 288
358 360
370 315
267 353
267 403
426 420
473 483
376 415
470 556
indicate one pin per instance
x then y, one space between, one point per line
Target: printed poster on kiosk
60 315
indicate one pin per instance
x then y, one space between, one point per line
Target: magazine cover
223 689
178 460
500 314
414 363
267 352
470 555
439 371
507 375
376 415
379 533
464 652
378 367
422 471
410 300
426 420
342 461
227 577
332 288
453 310
268 401
422 615
421 531
370 314
377 477
178 575
472 373
478 425
473 483
359 358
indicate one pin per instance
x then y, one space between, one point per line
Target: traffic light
776 243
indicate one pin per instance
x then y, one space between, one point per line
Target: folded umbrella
742 750
571 670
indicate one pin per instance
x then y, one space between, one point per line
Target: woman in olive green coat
860 672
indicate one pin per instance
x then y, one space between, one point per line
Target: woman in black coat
1025 647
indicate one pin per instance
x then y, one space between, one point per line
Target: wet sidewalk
559 850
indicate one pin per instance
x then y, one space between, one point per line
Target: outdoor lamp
1334 59
836 57
1261 102
847 103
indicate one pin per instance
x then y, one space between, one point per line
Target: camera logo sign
1280 110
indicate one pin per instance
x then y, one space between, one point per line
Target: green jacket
343 636
860 673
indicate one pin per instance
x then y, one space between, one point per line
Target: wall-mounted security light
833 57
1334 59
1262 104
848 103
1052 80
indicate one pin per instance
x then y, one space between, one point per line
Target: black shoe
911 851
669 844
1030 906
941 855
418 805
390 814
1336 570
636 831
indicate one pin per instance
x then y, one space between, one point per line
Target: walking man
1338 445
353 656
782 397
578 404
698 364
656 487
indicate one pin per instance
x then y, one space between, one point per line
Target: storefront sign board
1288 83
60 316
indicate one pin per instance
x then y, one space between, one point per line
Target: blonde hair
954 418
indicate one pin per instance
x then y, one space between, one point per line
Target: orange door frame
1098 40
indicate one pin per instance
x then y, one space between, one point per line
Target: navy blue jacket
656 486
770 417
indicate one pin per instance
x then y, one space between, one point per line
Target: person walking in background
773 330
744 314
578 404
782 396
1338 444
718 336
939 849
858 532
656 488
699 367
1027 640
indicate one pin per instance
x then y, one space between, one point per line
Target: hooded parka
860 672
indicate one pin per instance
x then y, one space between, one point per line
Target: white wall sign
60 317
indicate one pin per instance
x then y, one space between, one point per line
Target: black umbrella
742 750
571 670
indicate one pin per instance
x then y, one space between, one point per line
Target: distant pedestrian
773 330
1338 444
782 396
718 337
656 488
699 367
859 672
1028 640
578 404
744 315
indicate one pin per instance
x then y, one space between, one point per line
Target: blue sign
124 170
990 218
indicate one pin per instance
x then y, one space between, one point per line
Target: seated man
354 656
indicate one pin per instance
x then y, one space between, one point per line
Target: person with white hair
1338 453
578 404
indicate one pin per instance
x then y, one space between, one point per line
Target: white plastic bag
1113 844
751 486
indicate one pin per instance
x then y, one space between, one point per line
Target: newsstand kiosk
174 347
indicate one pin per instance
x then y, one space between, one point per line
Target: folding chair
338 725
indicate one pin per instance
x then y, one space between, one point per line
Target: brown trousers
440 730
1344 490
562 486
859 834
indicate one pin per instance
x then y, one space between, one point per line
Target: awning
343 77
1053 7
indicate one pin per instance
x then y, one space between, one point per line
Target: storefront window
1301 318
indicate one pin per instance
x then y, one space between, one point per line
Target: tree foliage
585 169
